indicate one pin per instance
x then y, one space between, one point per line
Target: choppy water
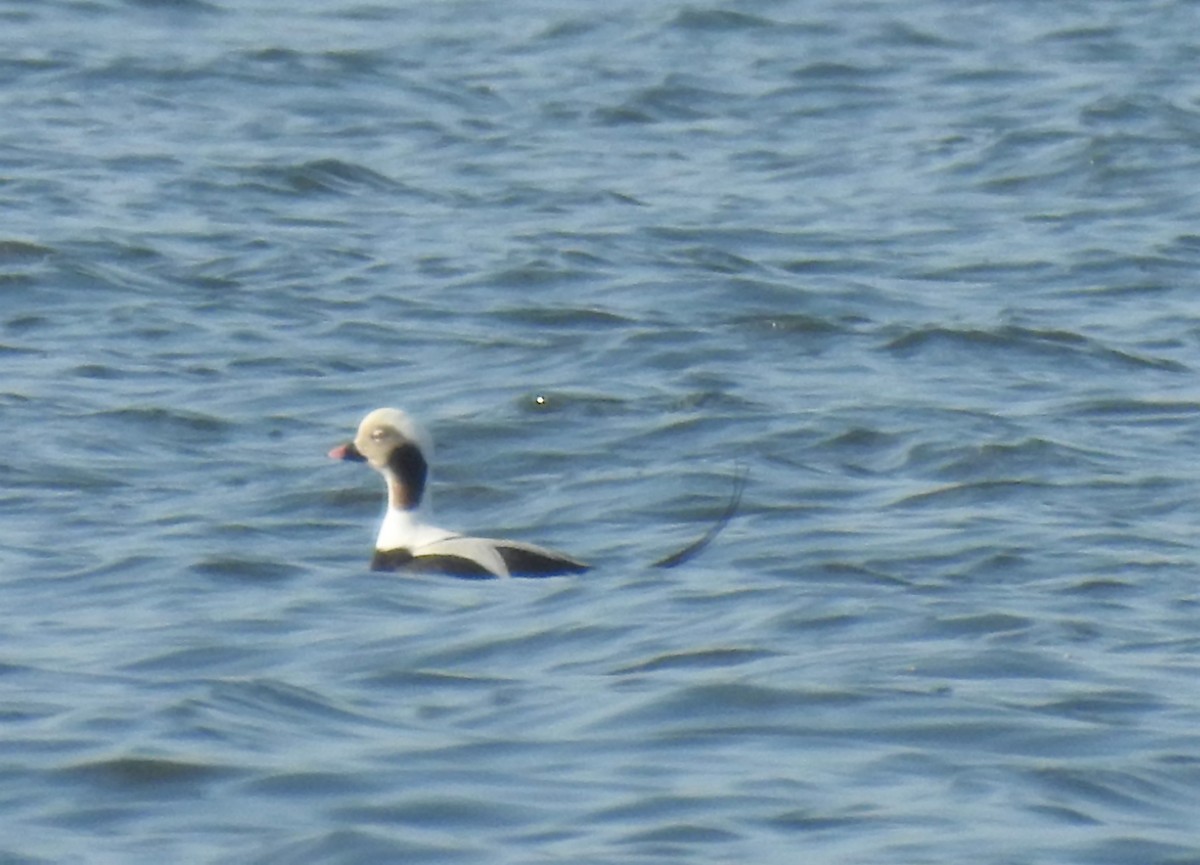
927 270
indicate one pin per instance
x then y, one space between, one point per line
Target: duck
400 449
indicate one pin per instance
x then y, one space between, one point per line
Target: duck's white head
399 448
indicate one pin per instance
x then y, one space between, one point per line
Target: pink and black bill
347 452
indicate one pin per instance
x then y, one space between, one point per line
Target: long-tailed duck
397 447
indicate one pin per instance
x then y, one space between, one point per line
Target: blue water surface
926 271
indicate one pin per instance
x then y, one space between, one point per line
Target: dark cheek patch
409 466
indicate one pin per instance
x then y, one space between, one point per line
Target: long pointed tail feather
698 545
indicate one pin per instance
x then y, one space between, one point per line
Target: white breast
403 529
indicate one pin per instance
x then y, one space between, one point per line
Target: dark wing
527 560
453 566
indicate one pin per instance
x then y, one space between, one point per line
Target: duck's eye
378 434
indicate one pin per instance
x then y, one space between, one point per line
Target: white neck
407 529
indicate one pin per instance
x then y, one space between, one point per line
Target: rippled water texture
925 270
